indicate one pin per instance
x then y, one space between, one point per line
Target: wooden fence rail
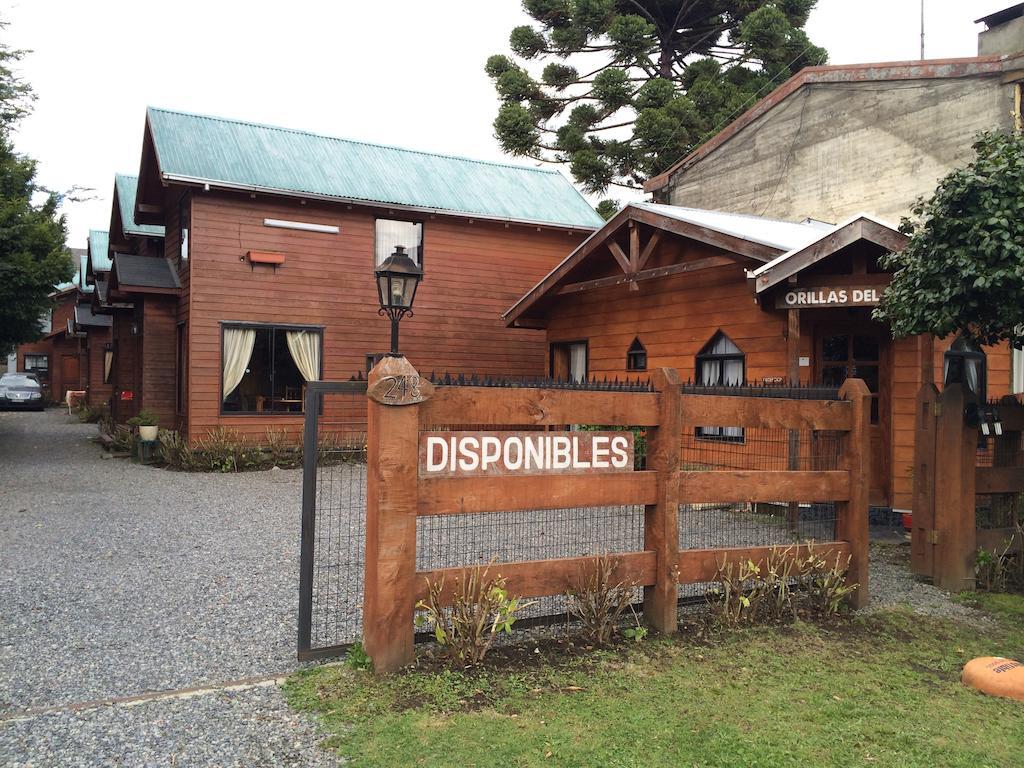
397 493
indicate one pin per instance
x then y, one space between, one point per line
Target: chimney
1004 31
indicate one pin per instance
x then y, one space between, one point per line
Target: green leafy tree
626 88
33 252
963 270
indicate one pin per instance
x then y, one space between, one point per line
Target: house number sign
467 454
403 389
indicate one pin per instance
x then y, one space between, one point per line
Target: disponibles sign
867 296
467 454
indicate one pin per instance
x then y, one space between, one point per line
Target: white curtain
305 349
108 363
727 372
390 233
1018 371
238 344
577 362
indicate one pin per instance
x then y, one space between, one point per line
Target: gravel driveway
117 580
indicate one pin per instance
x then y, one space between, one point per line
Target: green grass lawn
881 690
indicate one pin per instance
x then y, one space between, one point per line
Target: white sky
404 72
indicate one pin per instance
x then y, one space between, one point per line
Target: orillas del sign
866 296
466 454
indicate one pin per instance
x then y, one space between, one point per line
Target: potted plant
147 424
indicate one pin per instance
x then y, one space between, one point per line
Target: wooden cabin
730 299
272 236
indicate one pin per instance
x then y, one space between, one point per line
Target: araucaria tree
963 270
33 254
621 89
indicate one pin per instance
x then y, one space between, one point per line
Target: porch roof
99 255
143 274
85 318
125 187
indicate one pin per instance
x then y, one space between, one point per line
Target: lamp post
397 278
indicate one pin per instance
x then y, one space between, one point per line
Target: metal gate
333 542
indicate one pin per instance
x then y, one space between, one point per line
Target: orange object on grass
995 676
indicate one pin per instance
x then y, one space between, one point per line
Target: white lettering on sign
867 296
451 454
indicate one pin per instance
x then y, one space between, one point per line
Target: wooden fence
397 494
960 472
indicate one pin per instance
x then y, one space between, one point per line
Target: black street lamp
397 278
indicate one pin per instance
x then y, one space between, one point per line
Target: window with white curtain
389 233
264 369
568 361
720 364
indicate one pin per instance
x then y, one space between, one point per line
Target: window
568 361
39 365
391 232
636 357
964 363
720 364
108 363
372 358
853 354
264 369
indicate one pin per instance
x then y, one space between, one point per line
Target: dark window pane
874 410
253 391
835 348
288 381
865 348
833 375
870 375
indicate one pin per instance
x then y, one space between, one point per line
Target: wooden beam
620 256
505 493
701 565
996 539
649 249
647 274
539 407
999 480
745 250
766 412
793 346
536 578
922 549
741 485
852 512
634 253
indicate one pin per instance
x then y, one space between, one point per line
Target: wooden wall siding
473 272
98 391
159 357
172 250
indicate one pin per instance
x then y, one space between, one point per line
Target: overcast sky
406 72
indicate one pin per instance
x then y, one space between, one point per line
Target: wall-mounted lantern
397 278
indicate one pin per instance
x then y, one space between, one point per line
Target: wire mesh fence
778 450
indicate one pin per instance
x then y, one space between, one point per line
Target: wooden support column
853 514
922 548
926 353
392 453
661 520
634 252
955 536
793 375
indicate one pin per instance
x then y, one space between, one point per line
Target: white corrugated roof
775 233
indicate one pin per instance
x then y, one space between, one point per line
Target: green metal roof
99 247
80 257
249 156
125 187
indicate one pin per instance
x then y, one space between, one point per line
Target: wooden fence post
853 514
661 520
922 550
955 535
392 455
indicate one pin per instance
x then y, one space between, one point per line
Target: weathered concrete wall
1006 38
832 150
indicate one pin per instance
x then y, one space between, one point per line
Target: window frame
704 357
423 239
224 324
551 356
45 379
632 352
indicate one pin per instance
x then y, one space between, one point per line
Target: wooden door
69 372
862 350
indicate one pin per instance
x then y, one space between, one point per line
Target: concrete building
836 140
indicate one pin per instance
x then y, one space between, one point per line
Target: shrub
736 599
999 571
89 415
143 419
175 452
598 599
825 589
480 609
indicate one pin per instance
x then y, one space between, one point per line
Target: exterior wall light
397 278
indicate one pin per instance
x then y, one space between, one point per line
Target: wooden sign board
402 389
471 454
826 296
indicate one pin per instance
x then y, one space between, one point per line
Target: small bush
143 419
89 415
598 599
1001 570
825 590
357 658
480 609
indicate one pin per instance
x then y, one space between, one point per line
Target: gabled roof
233 154
85 318
125 187
80 257
143 274
928 69
98 254
861 226
745 239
